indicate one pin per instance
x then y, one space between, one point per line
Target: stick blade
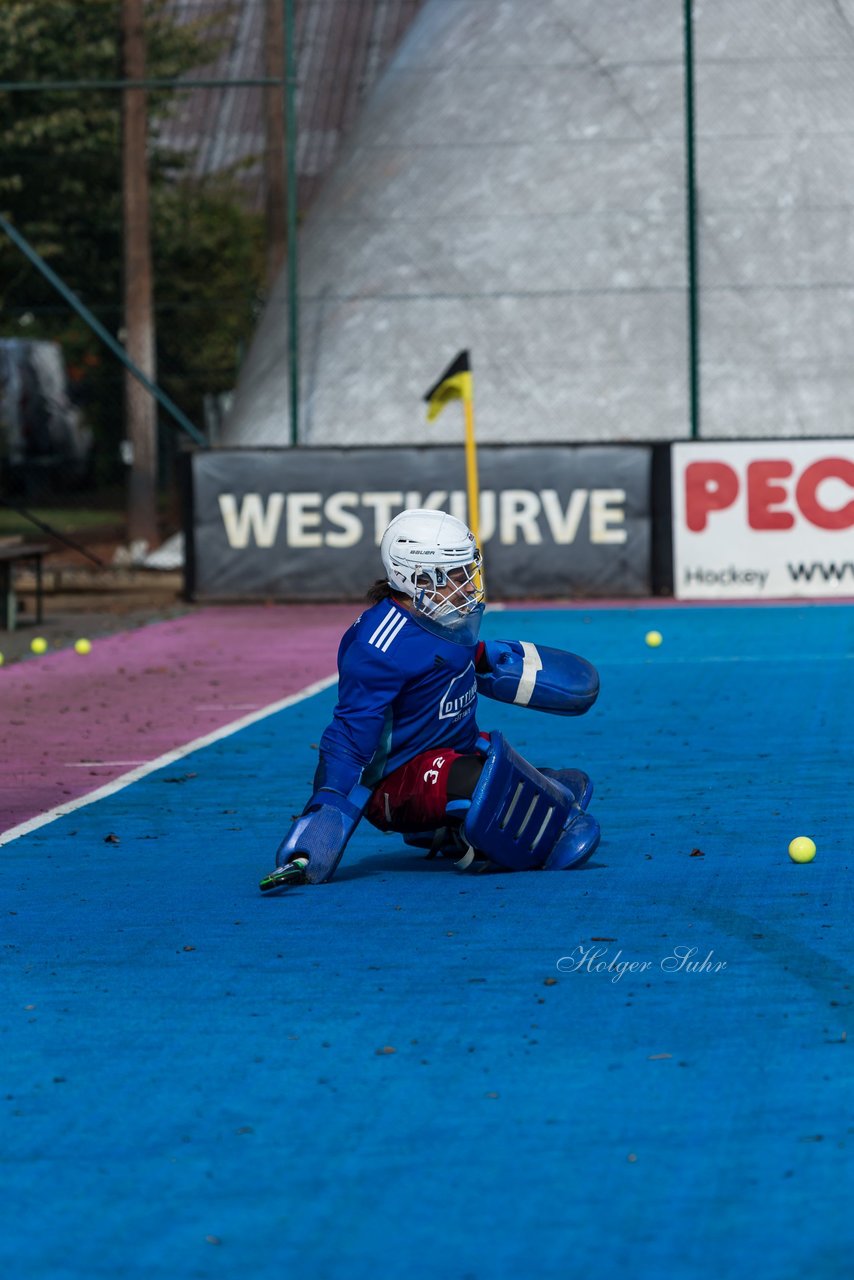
292 873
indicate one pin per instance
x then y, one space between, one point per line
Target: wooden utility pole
140 406
274 139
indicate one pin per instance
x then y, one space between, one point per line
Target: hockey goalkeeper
404 749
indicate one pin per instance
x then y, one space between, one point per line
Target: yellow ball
82 646
2 659
653 639
802 849
39 645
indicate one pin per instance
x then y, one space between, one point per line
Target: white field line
228 706
169 757
100 764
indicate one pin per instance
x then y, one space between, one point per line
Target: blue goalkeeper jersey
401 690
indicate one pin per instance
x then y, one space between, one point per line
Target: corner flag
456 384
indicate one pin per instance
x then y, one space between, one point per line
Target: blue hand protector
532 675
322 832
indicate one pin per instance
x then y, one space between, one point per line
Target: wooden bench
10 556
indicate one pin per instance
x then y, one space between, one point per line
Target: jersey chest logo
459 695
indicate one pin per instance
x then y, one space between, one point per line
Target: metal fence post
691 225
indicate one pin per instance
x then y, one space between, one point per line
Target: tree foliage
60 185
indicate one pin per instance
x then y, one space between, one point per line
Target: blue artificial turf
199 1082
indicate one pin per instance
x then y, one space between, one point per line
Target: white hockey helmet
432 557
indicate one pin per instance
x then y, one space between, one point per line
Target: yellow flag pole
456 384
471 470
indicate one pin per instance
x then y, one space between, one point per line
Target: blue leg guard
576 782
522 819
450 843
579 839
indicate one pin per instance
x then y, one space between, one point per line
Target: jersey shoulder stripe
388 630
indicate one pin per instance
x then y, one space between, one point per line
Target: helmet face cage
440 591
432 557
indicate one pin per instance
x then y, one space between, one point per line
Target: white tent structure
516 186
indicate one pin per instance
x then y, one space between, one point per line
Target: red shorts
414 797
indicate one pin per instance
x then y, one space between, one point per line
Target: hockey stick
292 873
